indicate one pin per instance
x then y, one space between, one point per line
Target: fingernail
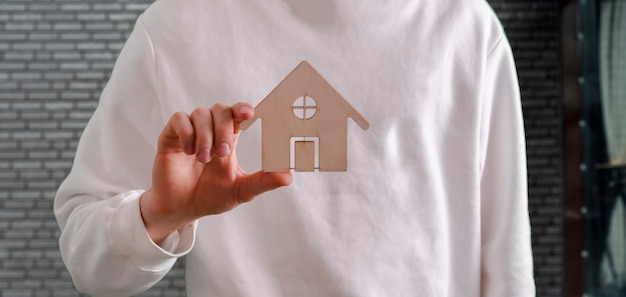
223 150
189 149
204 156
245 109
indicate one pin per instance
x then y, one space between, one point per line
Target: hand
196 172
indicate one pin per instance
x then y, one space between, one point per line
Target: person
434 201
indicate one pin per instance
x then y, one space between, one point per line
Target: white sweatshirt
434 202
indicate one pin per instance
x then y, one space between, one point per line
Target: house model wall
304 119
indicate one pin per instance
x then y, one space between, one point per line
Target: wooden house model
304 124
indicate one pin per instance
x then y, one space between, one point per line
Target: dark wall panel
533 28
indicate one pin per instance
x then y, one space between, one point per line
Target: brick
73 125
8 85
27 105
19 26
116 46
108 66
6 146
19 234
91 17
59 145
67 56
26 194
27 46
58 135
137 7
44 214
26 224
41 274
45 7
68 155
66 26
59 115
57 164
94 45
14 244
130 17
58 76
26 75
65 293
78 36
99 26
75 7
19 135
59 46
80 115
124 27
41 36
12 155
28 254
71 95
12 7
12 126
42 66
107 6
27 284
35 85
100 56
19 17
27 165
87 105
34 185
42 95
43 243
91 75
59 85
12 66
18 56
54 283
12 36
74 65
18 292
58 105
44 26
35 174
107 36
19 204
83 85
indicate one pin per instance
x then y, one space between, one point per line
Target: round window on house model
304 107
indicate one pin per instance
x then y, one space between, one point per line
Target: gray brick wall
55 57
533 30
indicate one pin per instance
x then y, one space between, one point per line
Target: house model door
304 153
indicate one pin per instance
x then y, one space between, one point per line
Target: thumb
252 185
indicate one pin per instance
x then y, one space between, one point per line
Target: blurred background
57 55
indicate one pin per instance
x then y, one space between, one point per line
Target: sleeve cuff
131 239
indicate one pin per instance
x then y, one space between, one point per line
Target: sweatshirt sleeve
507 266
103 242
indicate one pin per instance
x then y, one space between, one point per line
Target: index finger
241 111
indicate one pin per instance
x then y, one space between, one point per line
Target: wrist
158 222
